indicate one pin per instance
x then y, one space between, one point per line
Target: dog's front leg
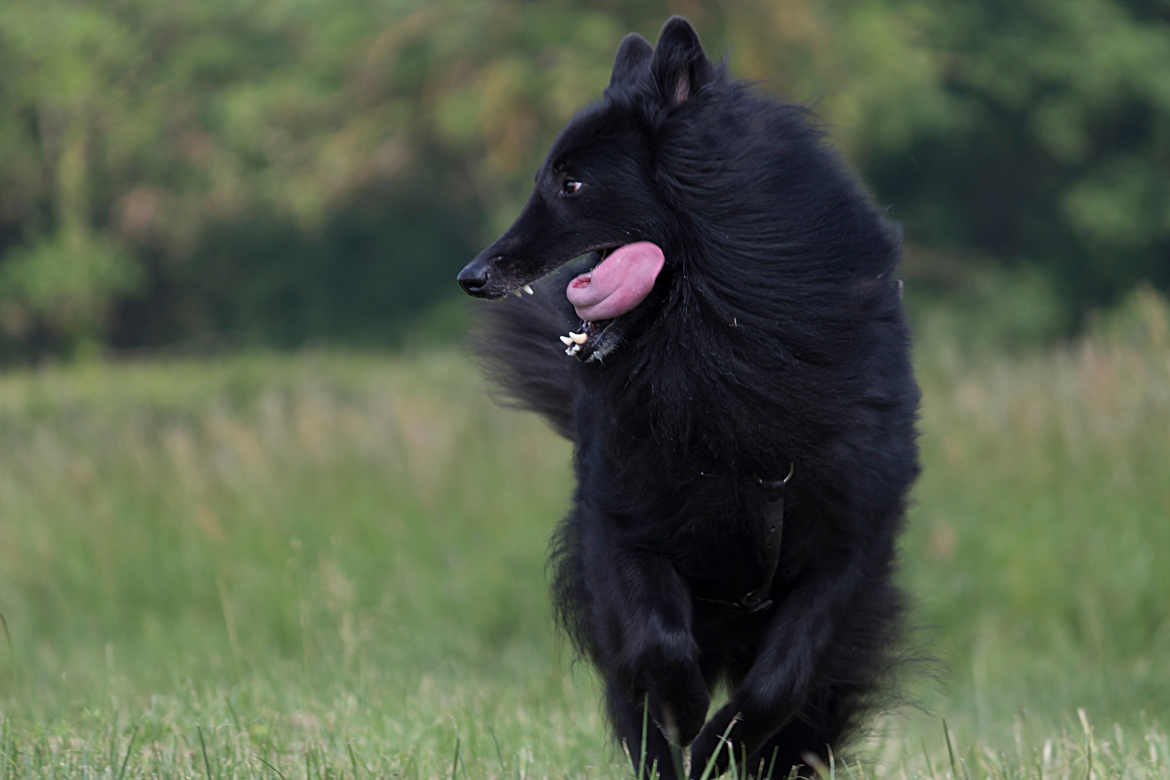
640 619
776 688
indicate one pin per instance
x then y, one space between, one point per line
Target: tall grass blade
203 748
126 757
712 762
352 759
455 758
950 750
271 767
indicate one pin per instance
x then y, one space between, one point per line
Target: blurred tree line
215 174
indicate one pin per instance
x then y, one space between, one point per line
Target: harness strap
758 598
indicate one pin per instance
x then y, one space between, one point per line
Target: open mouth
619 277
588 260
619 280
583 342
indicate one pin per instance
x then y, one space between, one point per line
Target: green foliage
1044 142
63 286
263 184
311 171
982 309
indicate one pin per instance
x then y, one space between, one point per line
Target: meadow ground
331 565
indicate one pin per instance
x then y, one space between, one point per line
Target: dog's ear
633 56
680 66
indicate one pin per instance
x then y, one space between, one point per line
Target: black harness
758 599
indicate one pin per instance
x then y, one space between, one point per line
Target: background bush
215 174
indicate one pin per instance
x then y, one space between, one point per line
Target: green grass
332 565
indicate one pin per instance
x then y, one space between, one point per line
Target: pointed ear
633 57
680 67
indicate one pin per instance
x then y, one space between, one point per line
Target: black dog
740 395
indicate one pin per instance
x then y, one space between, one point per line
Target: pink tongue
618 283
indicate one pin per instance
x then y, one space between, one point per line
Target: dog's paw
712 750
683 700
664 665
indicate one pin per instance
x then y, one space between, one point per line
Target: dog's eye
571 187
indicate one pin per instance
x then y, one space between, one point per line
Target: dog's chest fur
677 497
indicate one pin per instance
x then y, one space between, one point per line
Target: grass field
332 565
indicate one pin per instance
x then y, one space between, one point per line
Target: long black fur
774 338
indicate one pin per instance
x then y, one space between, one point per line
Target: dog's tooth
528 289
566 340
578 338
516 292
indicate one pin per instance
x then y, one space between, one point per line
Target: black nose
474 277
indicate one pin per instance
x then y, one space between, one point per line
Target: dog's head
595 193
